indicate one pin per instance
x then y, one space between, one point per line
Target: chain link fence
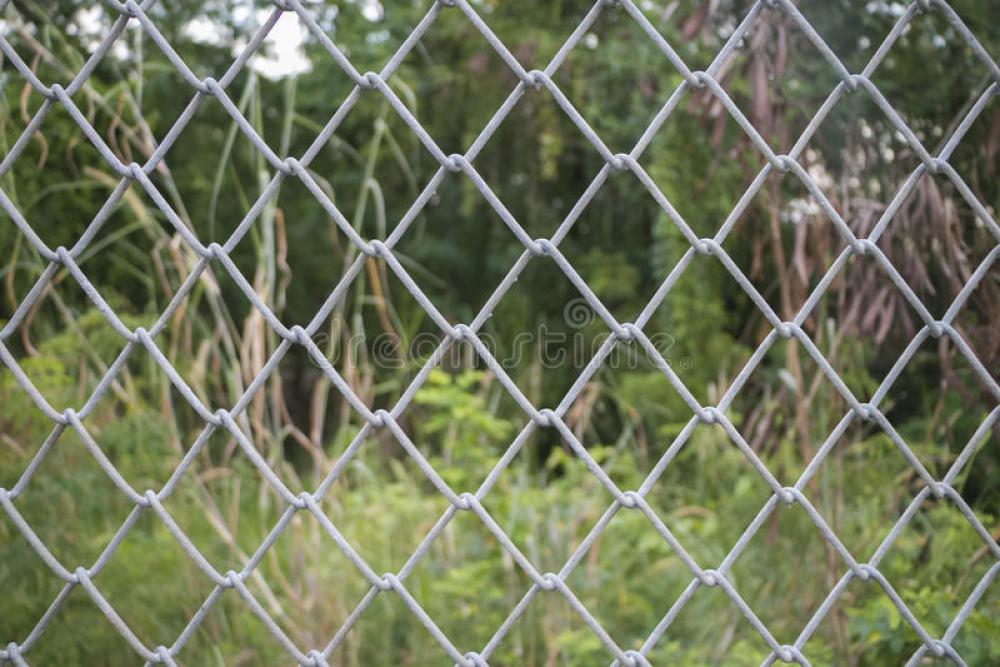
863 567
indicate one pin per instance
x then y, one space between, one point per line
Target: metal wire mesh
534 82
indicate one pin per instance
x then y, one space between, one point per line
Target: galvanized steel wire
531 82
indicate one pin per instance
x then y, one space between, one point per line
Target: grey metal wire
530 82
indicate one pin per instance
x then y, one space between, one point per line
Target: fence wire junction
531 82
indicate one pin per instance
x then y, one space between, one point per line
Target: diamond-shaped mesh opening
632 604
57 321
240 507
451 63
863 625
955 409
546 500
561 334
707 522
77 610
229 633
739 642
371 166
386 541
799 590
147 398
534 154
780 417
625 279
241 172
629 412
285 235
700 290
464 420
117 258
785 243
778 63
715 171
928 111
458 213
935 215
456 582
861 486
307 583
645 83
858 161
145 450
375 335
145 561
853 36
865 322
59 173
936 562
71 504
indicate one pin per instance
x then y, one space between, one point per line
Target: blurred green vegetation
458 250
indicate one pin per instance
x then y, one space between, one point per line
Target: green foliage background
458 250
